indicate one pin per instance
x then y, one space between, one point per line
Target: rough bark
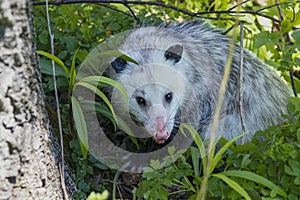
27 166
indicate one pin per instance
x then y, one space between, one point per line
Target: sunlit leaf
99 93
234 185
216 159
56 59
95 80
255 178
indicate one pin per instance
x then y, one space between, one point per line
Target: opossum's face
154 106
156 91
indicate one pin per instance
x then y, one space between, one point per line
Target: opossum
176 78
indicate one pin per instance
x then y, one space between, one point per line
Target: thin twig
156 3
61 165
237 13
241 80
137 21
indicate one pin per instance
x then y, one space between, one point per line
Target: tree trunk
27 165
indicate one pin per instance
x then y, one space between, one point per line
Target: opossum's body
179 71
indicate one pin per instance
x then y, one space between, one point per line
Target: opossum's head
155 90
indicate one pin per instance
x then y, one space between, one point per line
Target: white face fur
156 92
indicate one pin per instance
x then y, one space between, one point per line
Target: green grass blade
100 94
255 178
234 185
72 72
99 108
104 111
220 153
56 59
80 125
197 140
195 160
95 80
114 193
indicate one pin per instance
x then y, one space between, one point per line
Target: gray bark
27 166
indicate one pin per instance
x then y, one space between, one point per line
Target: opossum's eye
119 64
174 53
141 101
169 97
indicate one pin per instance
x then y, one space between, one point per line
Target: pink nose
161 136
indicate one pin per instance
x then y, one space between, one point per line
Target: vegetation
268 169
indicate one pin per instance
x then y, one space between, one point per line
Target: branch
61 165
229 12
157 3
132 13
160 4
241 81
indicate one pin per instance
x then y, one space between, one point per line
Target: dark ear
119 64
174 53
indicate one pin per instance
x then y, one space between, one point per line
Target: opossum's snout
159 123
161 134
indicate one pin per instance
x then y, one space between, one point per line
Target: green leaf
98 107
72 73
261 39
155 164
220 153
297 180
95 80
197 140
80 125
46 68
296 35
195 160
171 150
56 59
44 37
71 43
62 54
99 93
286 26
114 195
295 102
234 185
255 178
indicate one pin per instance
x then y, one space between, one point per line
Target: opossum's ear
119 64
174 53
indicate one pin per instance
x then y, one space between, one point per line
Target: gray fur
205 51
